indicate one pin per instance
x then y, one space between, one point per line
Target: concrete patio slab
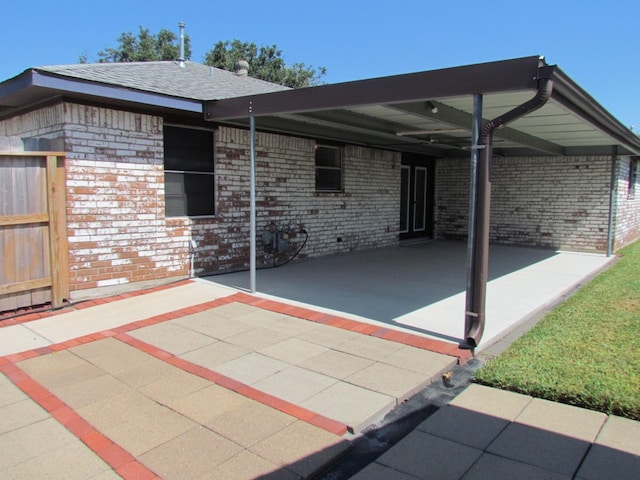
74 324
19 414
165 412
491 467
395 382
182 457
464 426
199 406
492 402
79 394
371 348
542 448
86 465
336 364
302 448
215 354
426 456
276 321
19 338
208 323
293 350
566 420
251 368
248 466
605 463
258 338
427 294
173 338
376 471
179 425
352 405
418 360
240 423
327 336
620 434
294 384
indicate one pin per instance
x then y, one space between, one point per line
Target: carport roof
399 112
396 112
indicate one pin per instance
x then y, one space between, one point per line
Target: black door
416 191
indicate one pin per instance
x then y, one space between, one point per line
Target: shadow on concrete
382 284
426 438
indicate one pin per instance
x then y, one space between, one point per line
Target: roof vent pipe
242 68
477 289
181 57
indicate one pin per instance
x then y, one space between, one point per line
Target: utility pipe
475 318
252 205
612 200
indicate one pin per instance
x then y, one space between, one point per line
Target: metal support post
476 125
252 206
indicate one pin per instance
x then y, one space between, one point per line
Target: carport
396 286
510 108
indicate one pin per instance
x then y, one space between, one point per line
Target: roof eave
569 94
34 86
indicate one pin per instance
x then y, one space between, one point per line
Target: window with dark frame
189 179
634 166
328 168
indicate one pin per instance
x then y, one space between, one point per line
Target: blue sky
595 42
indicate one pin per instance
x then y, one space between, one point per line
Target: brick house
157 164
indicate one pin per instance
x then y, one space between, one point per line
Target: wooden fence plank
25 286
54 237
11 220
33 236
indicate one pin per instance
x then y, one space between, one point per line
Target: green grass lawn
586 352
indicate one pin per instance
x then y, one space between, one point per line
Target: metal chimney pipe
181 57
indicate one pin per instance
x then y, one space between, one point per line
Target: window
328 168
634 166
188 172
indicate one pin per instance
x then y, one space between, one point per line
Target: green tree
145 47
265 63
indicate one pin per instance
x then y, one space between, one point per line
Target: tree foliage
145 47
265 63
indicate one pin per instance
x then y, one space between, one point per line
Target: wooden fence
33 237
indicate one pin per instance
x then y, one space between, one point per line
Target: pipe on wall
475 317
612 201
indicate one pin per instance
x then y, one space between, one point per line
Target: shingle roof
195 81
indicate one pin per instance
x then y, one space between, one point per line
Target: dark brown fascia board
506 75
33 86
569 94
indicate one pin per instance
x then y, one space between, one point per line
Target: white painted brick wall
552 202
627 215
115 198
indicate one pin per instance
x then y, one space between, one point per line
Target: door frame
412 162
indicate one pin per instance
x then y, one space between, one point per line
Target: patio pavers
490 434
179 425
172 414
34 445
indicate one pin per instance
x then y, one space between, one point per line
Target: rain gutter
477 287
